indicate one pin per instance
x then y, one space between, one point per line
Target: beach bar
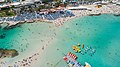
78 8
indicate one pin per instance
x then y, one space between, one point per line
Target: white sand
105 9
37 53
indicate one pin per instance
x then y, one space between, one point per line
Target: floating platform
71 61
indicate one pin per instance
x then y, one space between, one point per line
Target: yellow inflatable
76 48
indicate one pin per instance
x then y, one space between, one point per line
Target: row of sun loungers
37 15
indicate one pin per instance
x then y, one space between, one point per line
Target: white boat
87 64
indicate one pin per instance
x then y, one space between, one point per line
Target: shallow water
99 32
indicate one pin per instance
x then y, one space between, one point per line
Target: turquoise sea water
100 32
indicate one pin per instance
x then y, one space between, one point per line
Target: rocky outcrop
96 14
8 53
116 14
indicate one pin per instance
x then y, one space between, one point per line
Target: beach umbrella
15 65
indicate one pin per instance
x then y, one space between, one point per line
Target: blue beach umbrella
15 65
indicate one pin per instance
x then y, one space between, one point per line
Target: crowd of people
27 16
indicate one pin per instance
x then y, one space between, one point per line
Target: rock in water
8 53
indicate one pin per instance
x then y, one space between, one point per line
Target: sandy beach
29 58
105 9
32 57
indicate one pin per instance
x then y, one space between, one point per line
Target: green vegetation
45 1
7 12
57 4
40 7
57 1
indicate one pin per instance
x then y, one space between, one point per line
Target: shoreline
105 9
32 57
60 22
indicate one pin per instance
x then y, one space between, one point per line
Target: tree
57 0
46 1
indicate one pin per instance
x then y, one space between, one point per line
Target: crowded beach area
45 37
60 14
87 10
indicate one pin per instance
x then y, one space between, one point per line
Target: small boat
87 64
93 50
78 44
87 49
82 45
82 52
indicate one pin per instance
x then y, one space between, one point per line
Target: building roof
79 7
15 3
